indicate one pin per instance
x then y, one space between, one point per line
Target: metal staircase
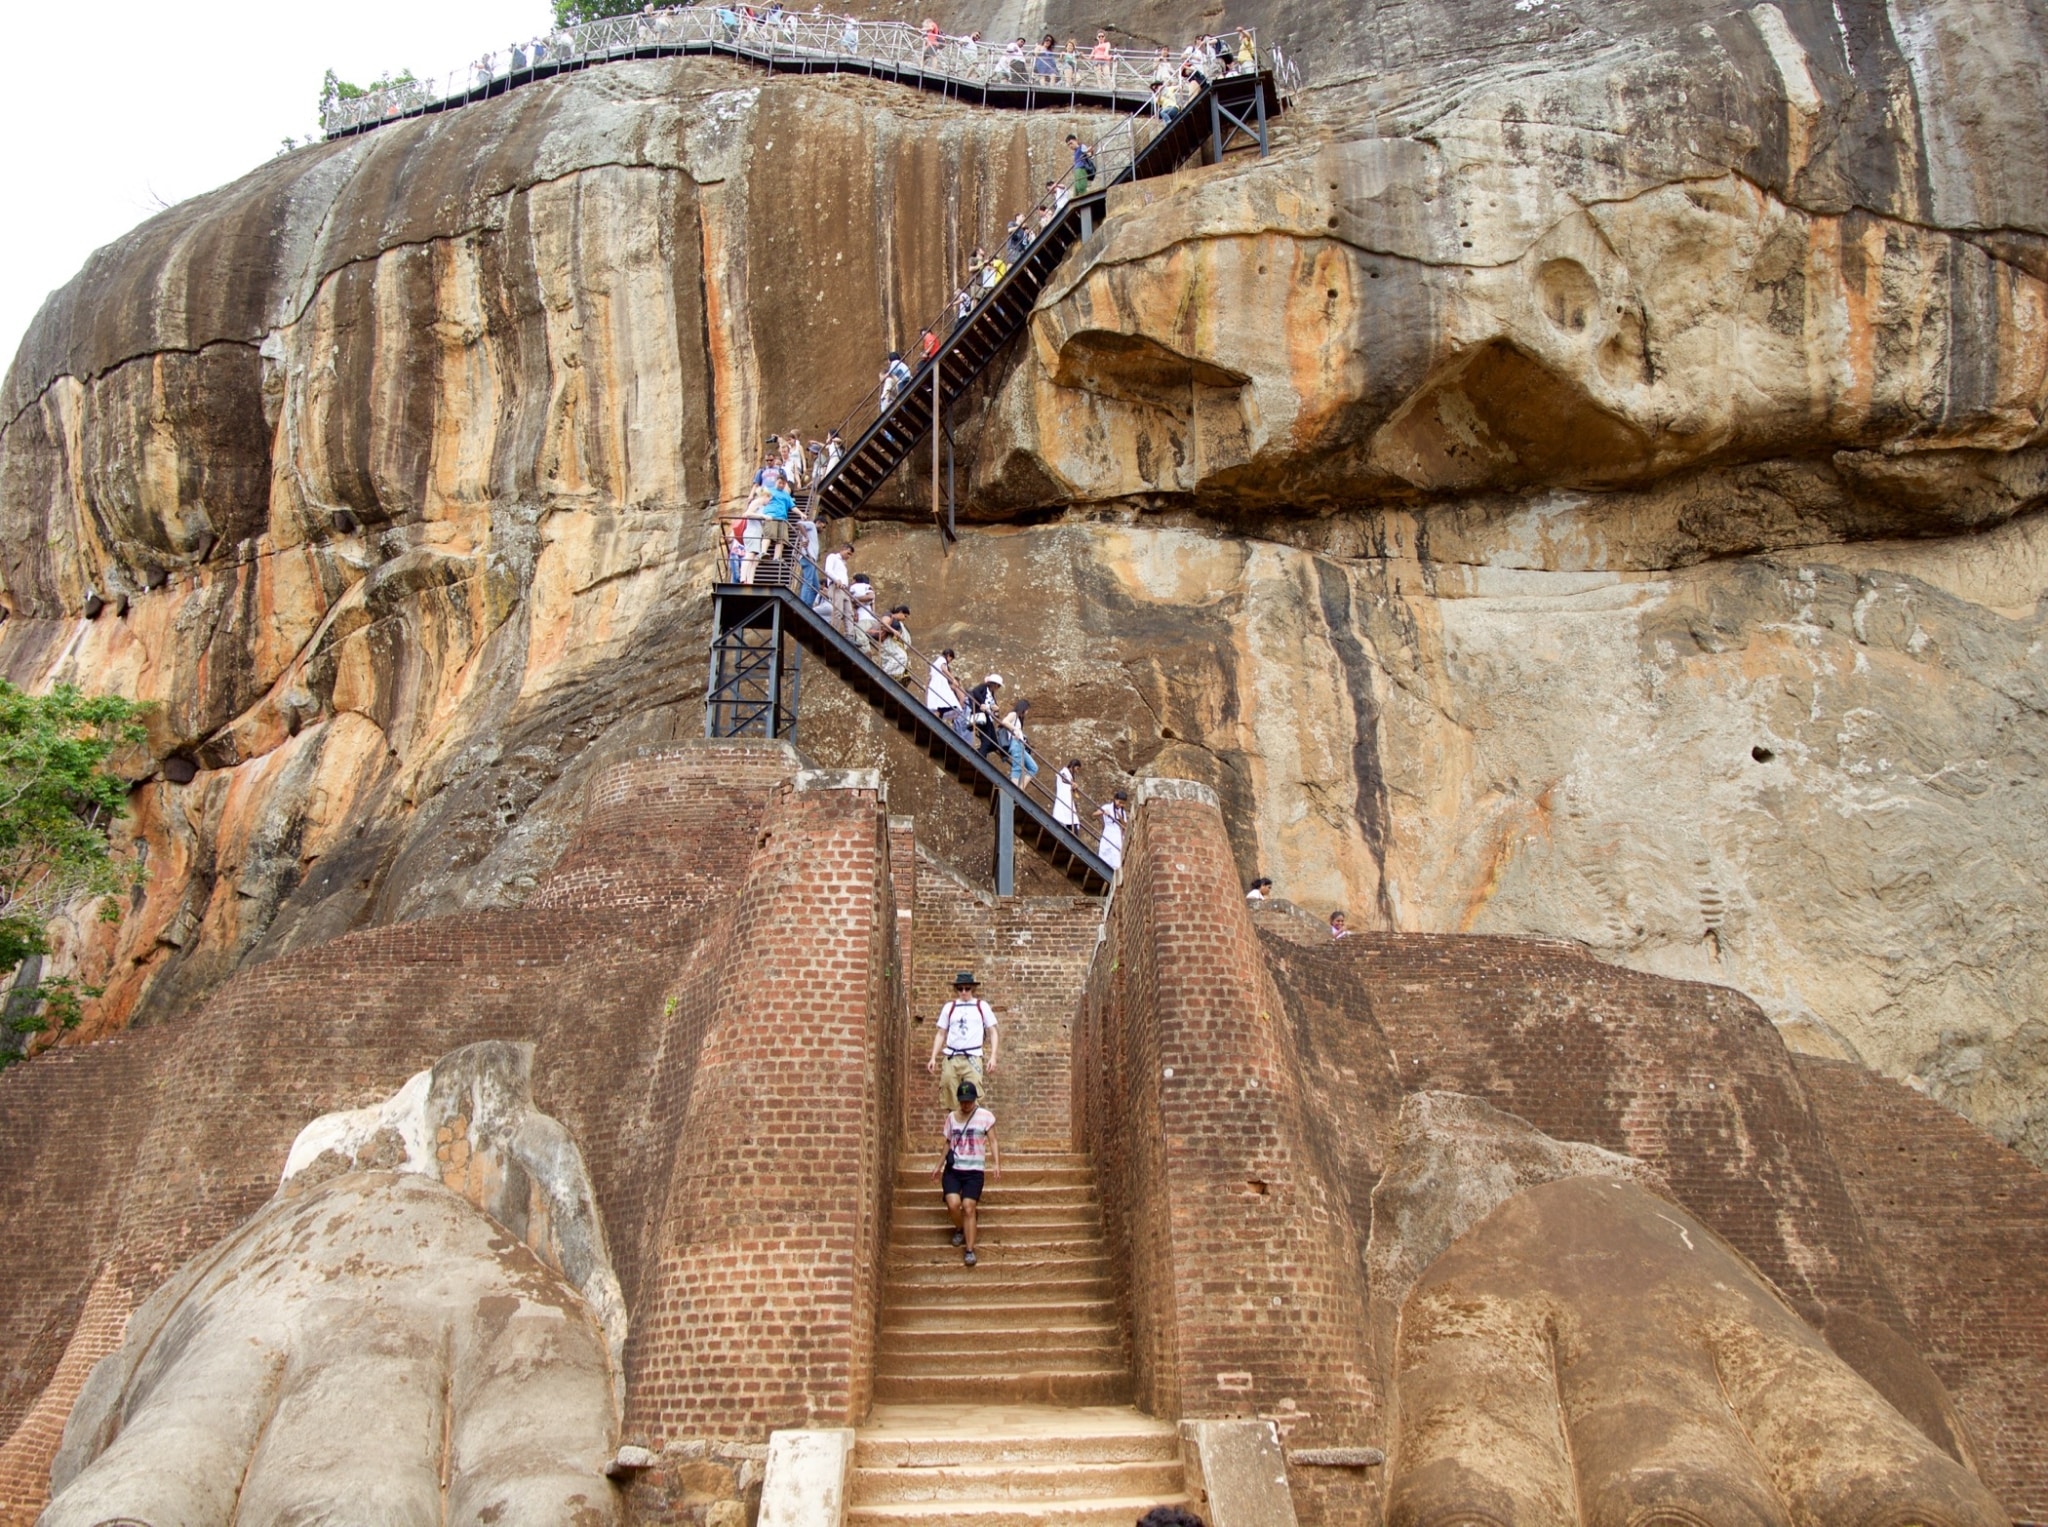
753 692
1230 112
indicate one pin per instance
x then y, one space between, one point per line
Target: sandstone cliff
1581 484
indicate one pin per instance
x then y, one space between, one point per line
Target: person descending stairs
1002 1394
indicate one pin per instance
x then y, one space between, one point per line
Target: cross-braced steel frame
755 673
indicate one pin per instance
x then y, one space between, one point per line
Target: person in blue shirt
775 524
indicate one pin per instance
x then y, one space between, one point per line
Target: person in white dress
939 695
1114 812
1063 795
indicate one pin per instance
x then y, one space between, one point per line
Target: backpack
1085 160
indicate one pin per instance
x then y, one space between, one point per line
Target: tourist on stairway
1017 241
1063 811
970 1160
964 1039
1084 164
1022 765
839 588
1070 62
892 645
867 626
775 515
940 698
981 709
1104 58
894 375
927 343
1337 928
806 529
1114 813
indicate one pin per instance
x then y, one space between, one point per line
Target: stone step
917 1171
1000 1286
937 1272
1053 1241
919 1361
956 1437
967 1333
933 1211
1100 1386
1002 1192
1008 1314
999 1513
1037 1483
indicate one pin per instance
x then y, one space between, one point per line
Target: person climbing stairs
1002 1392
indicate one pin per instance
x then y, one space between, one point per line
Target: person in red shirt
927 343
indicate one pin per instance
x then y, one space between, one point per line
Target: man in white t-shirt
964 1046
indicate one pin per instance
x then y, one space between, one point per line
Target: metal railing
1082 814
1076 74
1115 152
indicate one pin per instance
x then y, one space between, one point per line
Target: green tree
334 89
57 805
569 13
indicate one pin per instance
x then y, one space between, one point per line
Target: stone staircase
1002 1395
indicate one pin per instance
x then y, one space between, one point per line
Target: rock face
1582 484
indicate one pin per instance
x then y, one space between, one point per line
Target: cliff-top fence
965 67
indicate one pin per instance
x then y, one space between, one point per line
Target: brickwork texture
710 979
1031 955
1237 1269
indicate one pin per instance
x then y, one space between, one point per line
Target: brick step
917 1268
1015 1311
922 1358
1101 1386
1018 1483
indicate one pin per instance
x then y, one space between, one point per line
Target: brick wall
1960 1223
131 1155
1236 1261
765 1295
1031 955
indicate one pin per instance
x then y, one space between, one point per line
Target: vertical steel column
1006 844
937 523
1259 95
775 668
711 679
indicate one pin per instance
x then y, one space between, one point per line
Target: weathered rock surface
1582 483
372 1349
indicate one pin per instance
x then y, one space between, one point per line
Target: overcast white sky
112 109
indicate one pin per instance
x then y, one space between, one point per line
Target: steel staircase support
1232 112
758 632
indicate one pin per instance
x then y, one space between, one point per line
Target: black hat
965 978
967 1092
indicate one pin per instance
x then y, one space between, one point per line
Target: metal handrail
785 38
787 573
1116 153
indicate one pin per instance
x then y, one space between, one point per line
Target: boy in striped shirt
970 1153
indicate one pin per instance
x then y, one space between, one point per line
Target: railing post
938 406
1006 844
775 670
1259 96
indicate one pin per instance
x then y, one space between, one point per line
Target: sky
114 111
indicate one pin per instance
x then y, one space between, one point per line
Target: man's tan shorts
955 1069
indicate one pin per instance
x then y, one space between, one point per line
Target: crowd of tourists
775 540
1046 64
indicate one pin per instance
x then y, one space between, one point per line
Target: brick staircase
1002 1394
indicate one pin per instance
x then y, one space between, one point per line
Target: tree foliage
569 13
334 89
57 804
